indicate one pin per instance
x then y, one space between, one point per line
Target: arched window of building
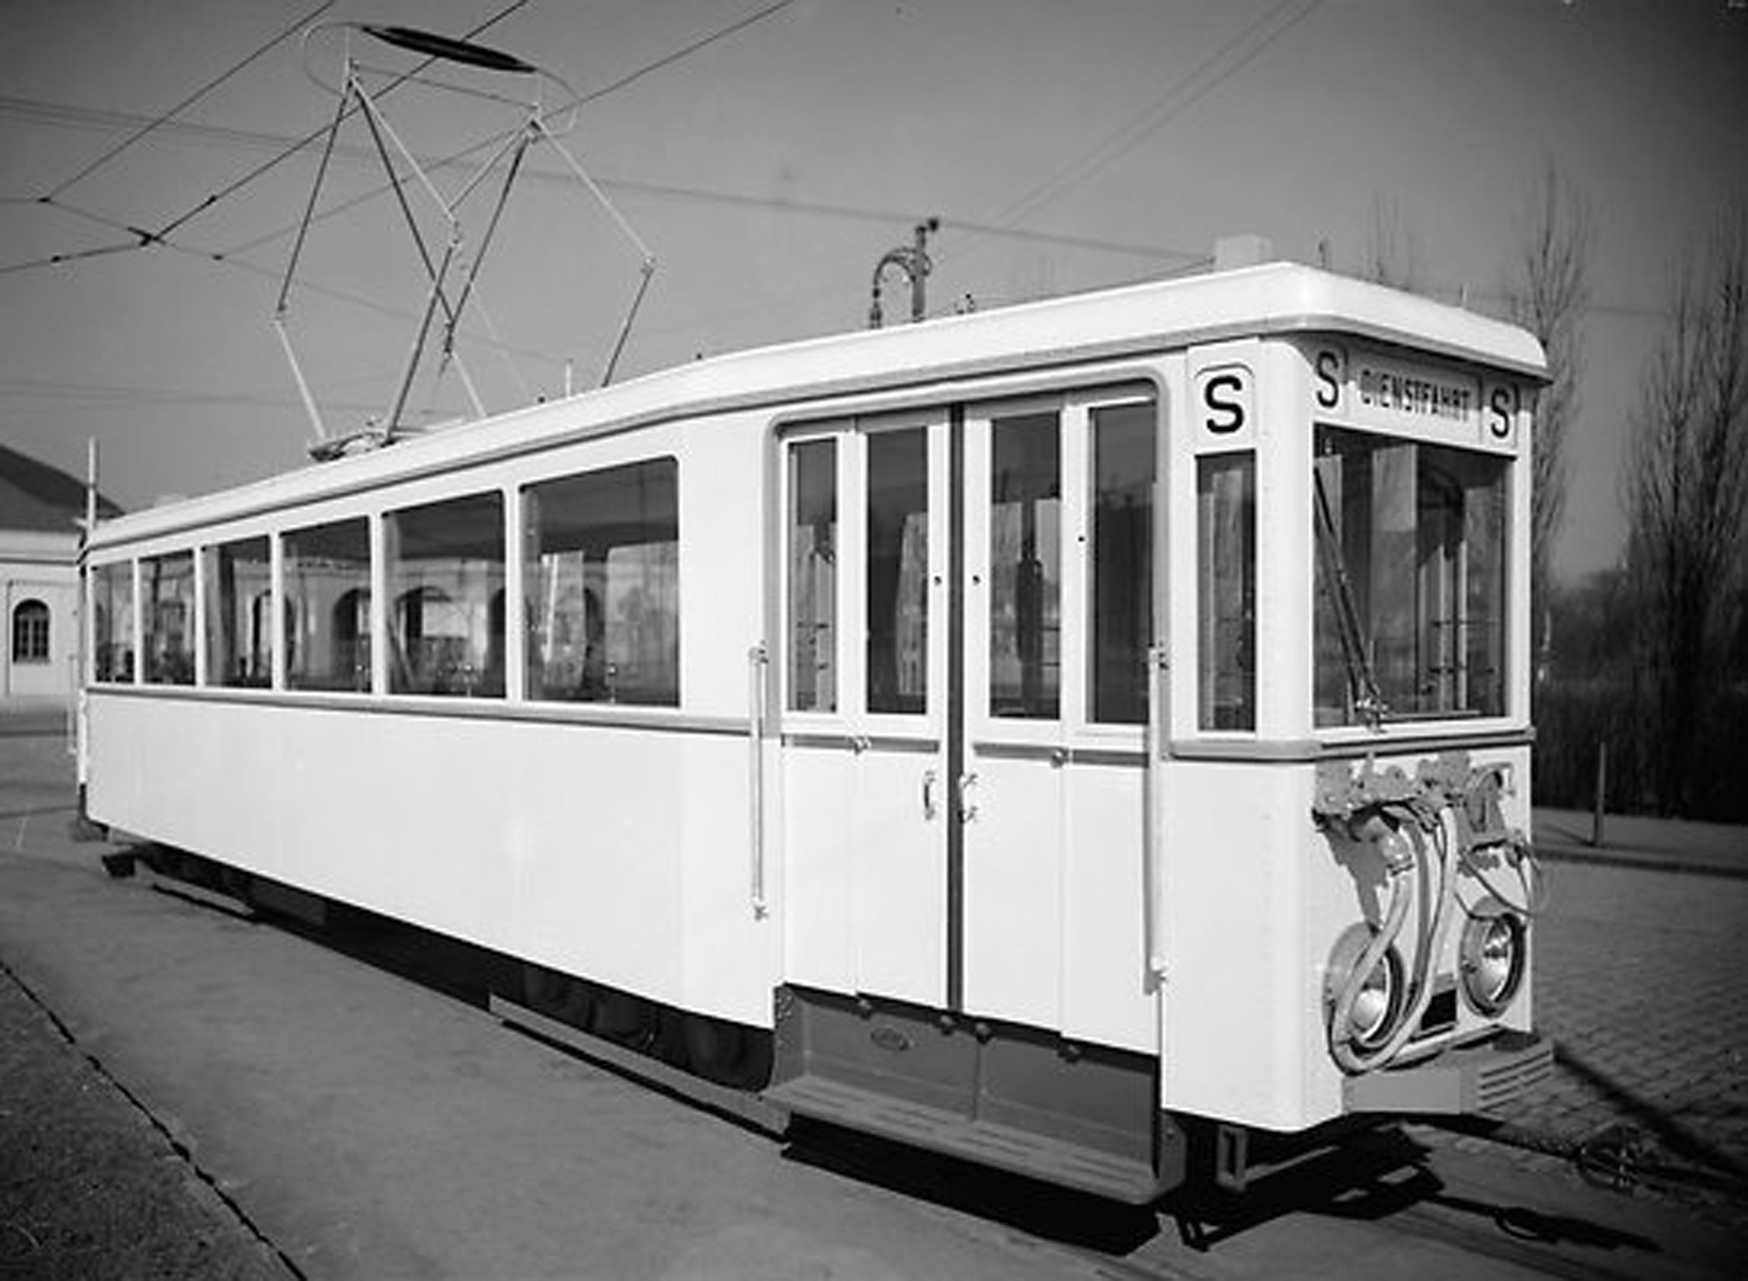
30 632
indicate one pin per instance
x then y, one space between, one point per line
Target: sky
767 154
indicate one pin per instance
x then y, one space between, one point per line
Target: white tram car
1026 734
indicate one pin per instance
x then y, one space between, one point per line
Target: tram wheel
558 996
727 1053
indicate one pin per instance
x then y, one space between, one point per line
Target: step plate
988 1143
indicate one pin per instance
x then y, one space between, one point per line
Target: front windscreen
1410 579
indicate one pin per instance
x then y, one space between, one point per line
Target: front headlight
1492 959
1377 1006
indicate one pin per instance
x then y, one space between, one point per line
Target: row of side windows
601 599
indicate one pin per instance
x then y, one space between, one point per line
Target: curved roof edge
1270 299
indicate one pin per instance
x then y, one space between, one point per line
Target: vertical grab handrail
756 774
1151 906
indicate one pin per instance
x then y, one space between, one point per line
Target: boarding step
941 1130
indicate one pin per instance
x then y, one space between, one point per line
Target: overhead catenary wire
68 116
1162 110
1165 108
165 117
310 137
145 238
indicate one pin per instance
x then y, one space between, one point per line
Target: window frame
32 632
657 685
1481 478
482 671
292 627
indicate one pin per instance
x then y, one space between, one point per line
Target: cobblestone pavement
1642 981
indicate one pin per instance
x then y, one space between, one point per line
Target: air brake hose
1380 832
1378 829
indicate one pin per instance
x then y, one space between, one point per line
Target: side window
239 641
1122 561
112 624
603 585
446 597
1025 567
30 632
327 606
813 576
168 585
898 570
1226 590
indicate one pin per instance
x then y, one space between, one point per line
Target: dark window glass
445 588
327 606
1226 590
168 584
1025 567
603 586
1122 561
112 625
30 632
813 576
898 571
239 633
1410 588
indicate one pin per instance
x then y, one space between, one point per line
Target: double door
966 612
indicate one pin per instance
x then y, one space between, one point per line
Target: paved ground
1642 980
1643 969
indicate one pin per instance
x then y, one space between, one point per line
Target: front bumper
1461 1081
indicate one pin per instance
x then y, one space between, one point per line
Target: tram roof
1272 299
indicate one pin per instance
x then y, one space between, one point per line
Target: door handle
930 779
967 789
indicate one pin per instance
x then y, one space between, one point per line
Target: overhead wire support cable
160 236
1166 107
165 117
308 138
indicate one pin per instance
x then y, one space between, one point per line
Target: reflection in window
239 630
898 571
1226 590
813 576
327 606
1410 583
1122 561
1025 567
603 586
30 632
168 585
445 587
112 624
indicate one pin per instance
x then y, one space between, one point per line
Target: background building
39 577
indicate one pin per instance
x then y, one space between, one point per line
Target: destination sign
1423 400
1414 394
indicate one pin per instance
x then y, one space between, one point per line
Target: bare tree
1549 297
1686 491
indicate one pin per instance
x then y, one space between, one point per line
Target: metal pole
919 272
1596 833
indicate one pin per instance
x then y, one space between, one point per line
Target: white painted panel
1013 891
1105 995
621 854
818 788
1239 994
900 900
